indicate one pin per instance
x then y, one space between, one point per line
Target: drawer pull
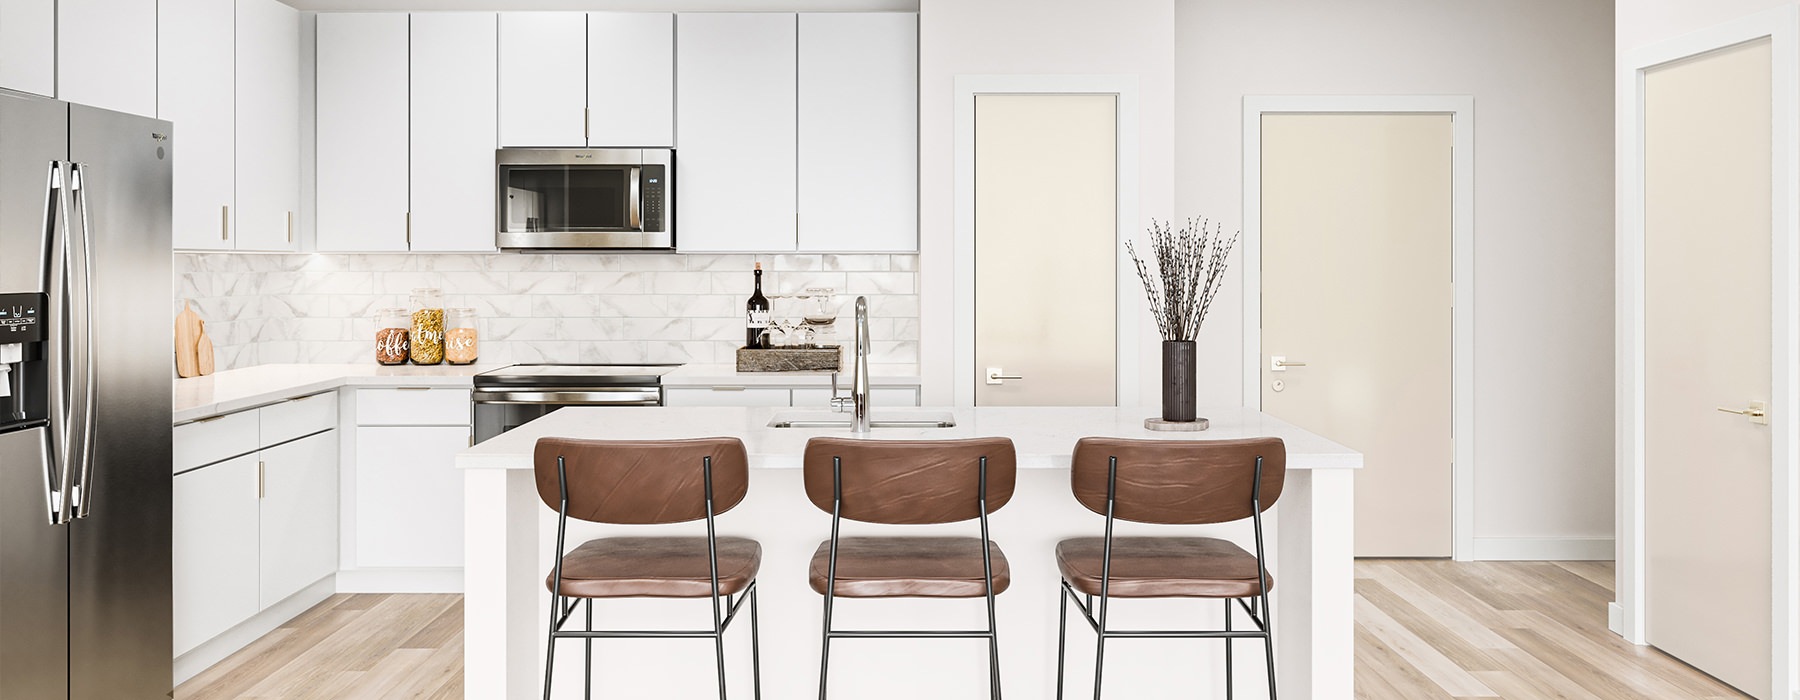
412 388
210 419
728 388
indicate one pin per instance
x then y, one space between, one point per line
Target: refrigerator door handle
82 301
59 457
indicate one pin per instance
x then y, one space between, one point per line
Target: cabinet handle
225 223
728 388
290 227
409 230
412 388
210 419
260 480
585 114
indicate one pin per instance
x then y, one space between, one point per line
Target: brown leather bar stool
648 483
1171 483
910 482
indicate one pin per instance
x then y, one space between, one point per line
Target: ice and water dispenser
21 348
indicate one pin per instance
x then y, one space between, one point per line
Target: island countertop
1044 436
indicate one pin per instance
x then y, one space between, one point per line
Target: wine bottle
758 308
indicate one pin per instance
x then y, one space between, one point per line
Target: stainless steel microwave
585 198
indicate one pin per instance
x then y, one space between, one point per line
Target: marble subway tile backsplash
566 307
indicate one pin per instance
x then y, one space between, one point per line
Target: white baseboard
384 580
1543 549
1615 619
230 641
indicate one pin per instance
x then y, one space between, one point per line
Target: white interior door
1708 221
1046 250
1356 300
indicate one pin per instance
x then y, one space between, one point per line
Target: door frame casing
1461 110
1125 89
1628 616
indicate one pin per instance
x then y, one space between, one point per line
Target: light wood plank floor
1424 629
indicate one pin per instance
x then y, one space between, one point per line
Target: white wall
1035 37
1644 22
1541 75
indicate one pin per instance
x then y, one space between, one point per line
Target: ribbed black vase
1178 381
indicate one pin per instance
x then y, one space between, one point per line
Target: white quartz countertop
1044 437
249 387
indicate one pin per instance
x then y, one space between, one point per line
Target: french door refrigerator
85 339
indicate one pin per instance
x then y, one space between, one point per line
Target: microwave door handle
60 431
637 198
81 492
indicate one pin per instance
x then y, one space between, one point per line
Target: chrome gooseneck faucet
859 381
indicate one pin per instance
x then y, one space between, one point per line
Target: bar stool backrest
641 482
1178 482
910 482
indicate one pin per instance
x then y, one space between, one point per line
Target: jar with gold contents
392 330
462 336
427 326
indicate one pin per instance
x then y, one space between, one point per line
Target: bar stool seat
656 567
1161 567
909 567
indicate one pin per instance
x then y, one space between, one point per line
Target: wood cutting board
203 351
188 328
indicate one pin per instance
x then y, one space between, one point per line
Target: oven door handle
637 198
589 397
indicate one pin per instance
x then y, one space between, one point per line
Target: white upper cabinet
631 79
28 46
454 70
543 74
106 54
195 91
735 119
362 131
268 125
859 147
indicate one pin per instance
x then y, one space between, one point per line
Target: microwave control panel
653 197
19 318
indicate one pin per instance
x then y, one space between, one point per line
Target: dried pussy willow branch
1189 269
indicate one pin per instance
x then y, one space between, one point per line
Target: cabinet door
214 550
859 125
106 54
735 114
631 79
194 90
362 131
543 78
455 62
28 46
725 396
299 515
268 125
409 497
879 399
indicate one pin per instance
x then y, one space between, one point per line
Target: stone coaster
1194 426
819 359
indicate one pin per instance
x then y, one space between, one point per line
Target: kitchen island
510 533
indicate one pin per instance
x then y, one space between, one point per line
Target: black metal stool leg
993 650
755 647
1062 637
550 651
825 648
1269 650
1229 688
1099 661
588 682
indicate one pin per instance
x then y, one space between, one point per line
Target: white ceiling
638 5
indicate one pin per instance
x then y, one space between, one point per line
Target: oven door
583 198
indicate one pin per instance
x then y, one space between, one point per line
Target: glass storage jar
462 336
427 326
392 328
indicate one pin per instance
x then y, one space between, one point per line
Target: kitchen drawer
891 397
298 418
412 406
214 439
724 396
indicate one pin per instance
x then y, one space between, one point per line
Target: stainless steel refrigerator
84 426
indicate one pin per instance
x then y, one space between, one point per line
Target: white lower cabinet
299 515
409 496
879 398
216 540
781 397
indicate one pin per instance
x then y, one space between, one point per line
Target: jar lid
461 310
425 290
391 310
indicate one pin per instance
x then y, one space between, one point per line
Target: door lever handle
1280 363
995 375
1758 412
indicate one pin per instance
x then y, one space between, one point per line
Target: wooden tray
820 359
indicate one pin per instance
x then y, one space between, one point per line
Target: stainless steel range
509 397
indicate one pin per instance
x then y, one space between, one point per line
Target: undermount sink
877 419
